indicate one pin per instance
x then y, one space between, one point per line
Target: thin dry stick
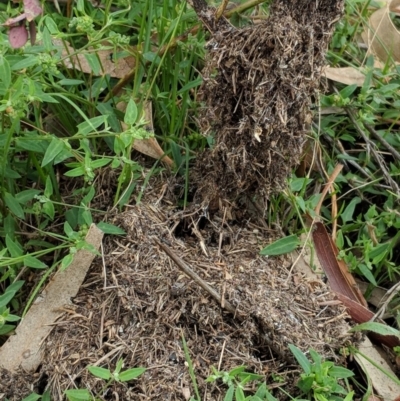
187 270
383 141
332 178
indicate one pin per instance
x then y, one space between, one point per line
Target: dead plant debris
137 304
258 88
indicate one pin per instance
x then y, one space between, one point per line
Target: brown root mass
258 85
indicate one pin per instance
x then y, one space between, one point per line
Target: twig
187 270
376 155
332 178
383 141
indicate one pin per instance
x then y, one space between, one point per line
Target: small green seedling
320 379
105 374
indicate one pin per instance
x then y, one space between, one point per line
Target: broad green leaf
6 298
91 125
78 395
367 273
378 328
229 394
66 261
99 163
25 63
68 230
16 286
379 252
94 63
239 394
131 113
48 191
6 329
340 373
349 90
75 172
102 373
108 228
13 205
301 359
348 212
48 208
26 196
12 318
35 263
281 246
55 147
14 248
131 374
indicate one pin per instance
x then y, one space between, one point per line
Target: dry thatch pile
258 86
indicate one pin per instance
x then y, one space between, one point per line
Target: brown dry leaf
115 68
24 348
149 147
339 277
381 35
345 75
385 387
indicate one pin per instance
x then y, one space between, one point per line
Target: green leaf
5 72
347 214
108 228
305 384
131 113
229 394
26 62
14 248
48 191
99 163
32 397
340 373
131 374
78 395
6 329
102 373
13 205
281 246
239 394
6 298
75 172
35 263
378 328
94 63
66 261
349 90
55 147
91 125
16 286
25 196
367 273
70 82
301 359
48 208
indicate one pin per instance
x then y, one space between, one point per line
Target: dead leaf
24 348
345 75
32 9
17 36
115 67
387 388
381 35
340 279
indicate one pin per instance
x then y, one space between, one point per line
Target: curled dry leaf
381 35
18 36
345 75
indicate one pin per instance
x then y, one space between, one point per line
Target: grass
60 127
